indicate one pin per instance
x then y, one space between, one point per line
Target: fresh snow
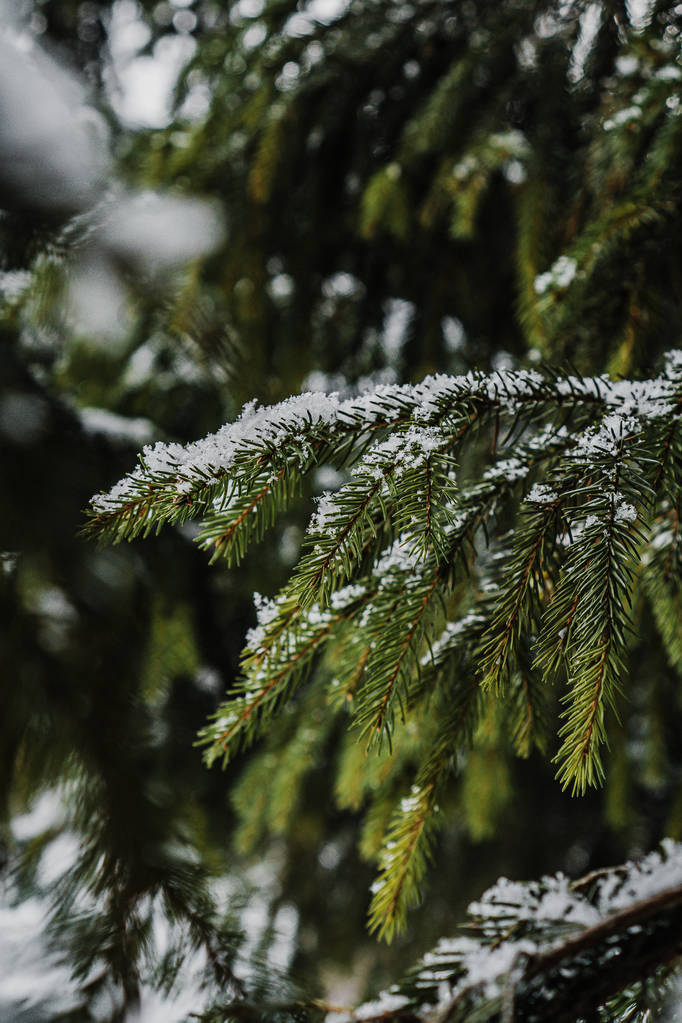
540 493
266 612
549 911
417 408
448 638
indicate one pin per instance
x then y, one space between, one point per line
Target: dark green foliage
521 195
554 606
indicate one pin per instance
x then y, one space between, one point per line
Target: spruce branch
549 950
275 662
405 853
525 582
174 483
238 519
395 623
492 521
592 597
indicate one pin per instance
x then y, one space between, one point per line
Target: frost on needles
486 545
552 951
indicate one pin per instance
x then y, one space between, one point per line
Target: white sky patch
326 11
127 32
639 13
97 302
254 36
29 977
454 334
141 88
247 9
23 417
161 231
590 22
328 478
285 927
53 147
13 284
59 858
281 287
298 25
125 429
46 812
627 64
342 285
398 317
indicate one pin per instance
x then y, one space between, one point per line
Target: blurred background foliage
204 203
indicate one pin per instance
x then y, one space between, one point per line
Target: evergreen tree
400 618
407 190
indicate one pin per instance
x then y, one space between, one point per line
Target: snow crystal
551 900
561 275
622 117
668 73
624 512
605 438
266 611
13 283
447 638
345 596
399 559
492 965
645 398
386 1002
325 510
508 468
402 451
546 436
540 493
673 363
657 872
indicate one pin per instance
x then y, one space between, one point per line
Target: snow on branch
292 426
488 542
548 951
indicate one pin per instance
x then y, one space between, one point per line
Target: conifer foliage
486 542
552 950
477 580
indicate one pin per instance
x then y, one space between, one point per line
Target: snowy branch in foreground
523 502
549 951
